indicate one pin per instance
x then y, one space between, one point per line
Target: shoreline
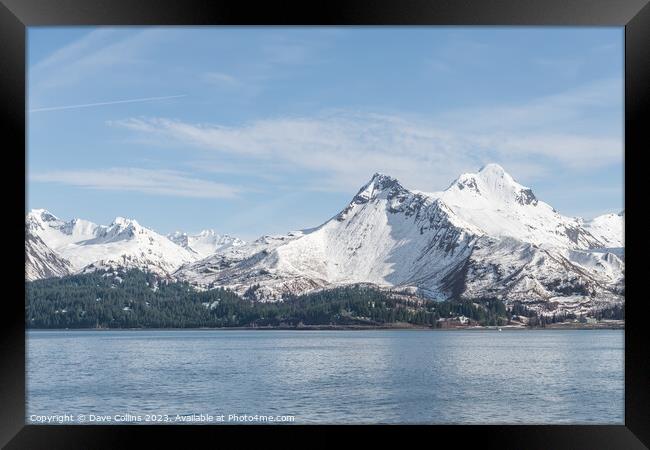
557 326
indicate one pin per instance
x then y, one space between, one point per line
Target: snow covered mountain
608 228
500 207
41 261
484 236
123 243
205 243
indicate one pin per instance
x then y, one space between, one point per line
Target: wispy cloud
74 50
563 110
99 50
114 102
221 79
158 182
133 57
341 148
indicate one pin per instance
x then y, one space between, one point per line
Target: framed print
373 219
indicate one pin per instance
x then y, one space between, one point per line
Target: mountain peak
382 177
122 224
492 168
381 181
43 214
378 183
492 182
119 220
495 174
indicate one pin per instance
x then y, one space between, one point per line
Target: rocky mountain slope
41 261
205 243
484 236
123 243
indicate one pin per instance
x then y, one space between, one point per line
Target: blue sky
270 129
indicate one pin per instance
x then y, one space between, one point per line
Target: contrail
88 105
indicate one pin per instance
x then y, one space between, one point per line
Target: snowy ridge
517 271
123 243
499 206
205 243
484 236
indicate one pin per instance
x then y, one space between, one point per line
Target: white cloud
158 182
340 149
571 151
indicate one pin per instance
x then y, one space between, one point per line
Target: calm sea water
376 376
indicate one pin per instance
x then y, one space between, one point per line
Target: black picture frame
16 15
